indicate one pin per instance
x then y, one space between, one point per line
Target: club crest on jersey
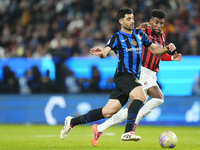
145 83
134 42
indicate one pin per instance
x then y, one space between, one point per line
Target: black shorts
124 84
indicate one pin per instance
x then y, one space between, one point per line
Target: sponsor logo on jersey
138 50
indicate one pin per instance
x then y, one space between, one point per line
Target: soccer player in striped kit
149 68
128 42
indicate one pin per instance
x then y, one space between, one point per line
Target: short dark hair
123 11
158 14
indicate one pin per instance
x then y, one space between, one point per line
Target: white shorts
147 79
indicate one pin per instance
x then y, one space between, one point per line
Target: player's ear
120 21
150 21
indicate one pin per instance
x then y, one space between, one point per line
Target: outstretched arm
98 51
161 50
175 57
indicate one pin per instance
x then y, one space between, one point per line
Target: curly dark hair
158 14
123 11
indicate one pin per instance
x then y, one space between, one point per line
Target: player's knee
161 97
108 113
159 101
141 97
162 100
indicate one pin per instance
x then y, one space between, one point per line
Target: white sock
114 120
147 108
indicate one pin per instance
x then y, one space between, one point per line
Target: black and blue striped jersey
129 49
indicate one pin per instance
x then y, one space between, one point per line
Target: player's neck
126 31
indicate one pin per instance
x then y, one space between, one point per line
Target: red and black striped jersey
150 60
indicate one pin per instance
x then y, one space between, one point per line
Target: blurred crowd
60 29
34 28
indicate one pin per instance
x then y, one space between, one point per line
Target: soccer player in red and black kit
148 79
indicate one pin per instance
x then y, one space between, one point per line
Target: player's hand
171 47
177 56
143 26
97 51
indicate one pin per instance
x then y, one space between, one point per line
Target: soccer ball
168 139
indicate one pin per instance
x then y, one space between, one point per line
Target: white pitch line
46 135
108 134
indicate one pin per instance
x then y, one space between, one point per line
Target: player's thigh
126 83
112 107
119 95
155 92
148 81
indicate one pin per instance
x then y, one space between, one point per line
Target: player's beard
156 33
129 29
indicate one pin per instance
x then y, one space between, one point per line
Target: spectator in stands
46 83
42 50
34 80
71 82
23 83
9 84
94 80
59 56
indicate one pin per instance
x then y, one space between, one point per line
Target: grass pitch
44 137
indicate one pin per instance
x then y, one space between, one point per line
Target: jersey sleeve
145 39
166 57
112 43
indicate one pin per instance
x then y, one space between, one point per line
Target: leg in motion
157 100
70 122
138 95
111 107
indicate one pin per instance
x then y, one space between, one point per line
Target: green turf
43 137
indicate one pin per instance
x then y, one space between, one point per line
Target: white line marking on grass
108 134
46 135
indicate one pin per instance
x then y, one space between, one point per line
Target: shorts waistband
146 70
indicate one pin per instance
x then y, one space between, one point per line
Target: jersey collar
125 33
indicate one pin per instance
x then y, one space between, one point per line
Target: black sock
93 115
132 114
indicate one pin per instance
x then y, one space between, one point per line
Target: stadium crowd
31 28
65 28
